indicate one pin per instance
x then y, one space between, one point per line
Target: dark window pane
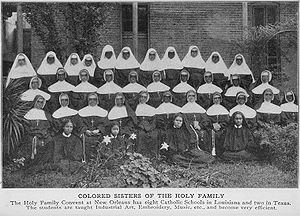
271 15
127 18
259 16
143 19
272 47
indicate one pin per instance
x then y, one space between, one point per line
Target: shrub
139 172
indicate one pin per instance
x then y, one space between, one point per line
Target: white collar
236 126
157 87
65 135
133 88
109 88
233 90
182 87
35 114
209 88
117 113
217 109
92 111
247 111
167 108
85 87
289 107
262 87
192 108
61 86
30 94
64 112
268 107
145 110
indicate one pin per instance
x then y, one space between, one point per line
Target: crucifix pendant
120 122
92 121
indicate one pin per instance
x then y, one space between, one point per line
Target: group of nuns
190 111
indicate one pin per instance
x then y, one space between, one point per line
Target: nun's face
64 100
108 54
84 77
88 62
156 77
178 121
217 99
241 100
61 76
167 98
108 77
35 84
268 96
50 59
74 60
215 58
208 78
184 77
143 98
126 54
152 56
39 103
235 81
171 54
21 62
265 78
289 98
132 78
119 101
194 52
93 100
239 61
191 97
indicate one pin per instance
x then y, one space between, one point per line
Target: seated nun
239 142
150 64
240 67
195 65
89 64
181 147
172 65
132 89
39 130
106 62
218 68
33 91
108 90
230 95
265 79
57 88
81 91
48 68
156 89
73 66
269 112
94 120
125 63
290 108
147 134
206 90
66 112
124 115
219 116
248 112
182 88
21 69
165 113
197 120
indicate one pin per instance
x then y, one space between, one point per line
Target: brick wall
210 26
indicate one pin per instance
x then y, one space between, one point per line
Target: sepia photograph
162 94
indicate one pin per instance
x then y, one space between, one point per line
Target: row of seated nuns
204 96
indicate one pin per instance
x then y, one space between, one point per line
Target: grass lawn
219 174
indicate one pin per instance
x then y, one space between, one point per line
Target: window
142 18
263 15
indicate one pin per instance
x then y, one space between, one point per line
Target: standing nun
206 90
240 67
124 64
21 69
34 85
219 116
108 90
66 112
81 91
269 112
57 88
89 64
230 95
265 78
73 66
218 68
147 137
248 112
195 64
182 88
172 66
48 68
150 64
290 108
106 62
197 120
94 120
156 89
132 89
